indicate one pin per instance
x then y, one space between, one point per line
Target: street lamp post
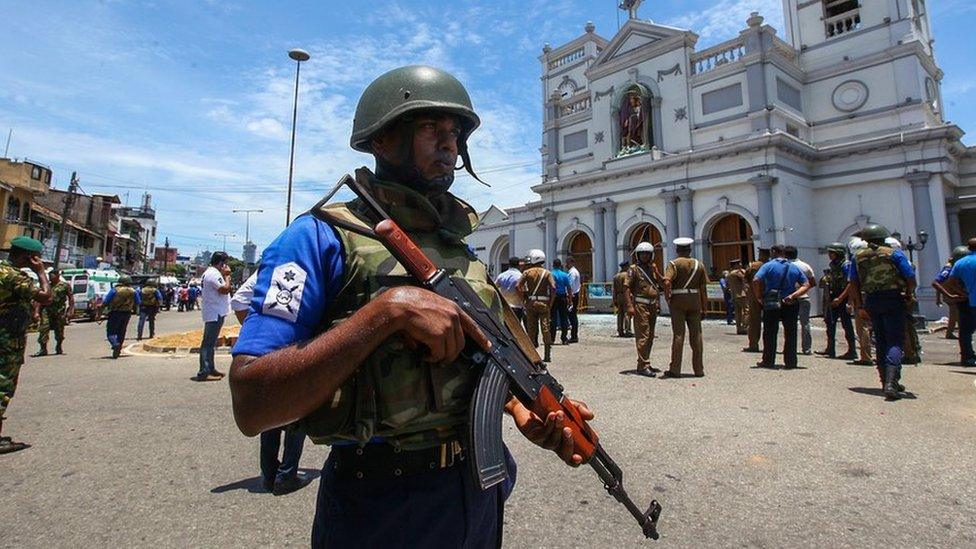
298 55
912 247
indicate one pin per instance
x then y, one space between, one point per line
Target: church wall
717 86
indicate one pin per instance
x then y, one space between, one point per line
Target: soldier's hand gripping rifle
511 366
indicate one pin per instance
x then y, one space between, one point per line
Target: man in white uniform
575 285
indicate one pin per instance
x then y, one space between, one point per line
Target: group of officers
528 286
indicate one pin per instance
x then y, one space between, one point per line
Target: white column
764 190
670 220
928 257
550 248
611 256
955 233
599 250
512 250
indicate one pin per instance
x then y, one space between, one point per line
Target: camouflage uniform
120 309
17 292
54 317
883 287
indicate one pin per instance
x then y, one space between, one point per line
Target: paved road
132 453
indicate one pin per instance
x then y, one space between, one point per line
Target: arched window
634 121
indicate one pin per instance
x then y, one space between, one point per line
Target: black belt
385 461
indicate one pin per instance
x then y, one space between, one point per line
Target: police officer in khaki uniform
684 288
538 289
754 310
737 287
620 301
643 290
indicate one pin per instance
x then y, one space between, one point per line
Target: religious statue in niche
633 123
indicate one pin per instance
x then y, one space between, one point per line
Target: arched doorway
730 238
647 232
580 249
499 256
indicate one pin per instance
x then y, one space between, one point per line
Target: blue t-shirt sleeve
852 272
761 273
902 264
159 295
943 274
301 273
138 297
109 296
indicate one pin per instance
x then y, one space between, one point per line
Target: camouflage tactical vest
59 299
124 300
17 292
876 270
836 279
395 394
148 295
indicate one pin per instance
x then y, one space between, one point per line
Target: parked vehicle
89 287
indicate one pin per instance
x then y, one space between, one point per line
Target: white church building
796 137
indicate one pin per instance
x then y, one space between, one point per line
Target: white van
89 287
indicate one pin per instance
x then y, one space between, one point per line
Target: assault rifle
510 366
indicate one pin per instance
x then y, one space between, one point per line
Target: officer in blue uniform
294 363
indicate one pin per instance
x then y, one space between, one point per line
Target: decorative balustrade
843 23
716 56
570 57
575 105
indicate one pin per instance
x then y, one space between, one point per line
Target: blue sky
191 101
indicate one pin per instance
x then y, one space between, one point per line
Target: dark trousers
729 309
967 326
887 310
833 316
147 312
788 315
211 331
560 317
271 468
115 327
440 508
574 318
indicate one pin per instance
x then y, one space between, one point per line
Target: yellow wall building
20 182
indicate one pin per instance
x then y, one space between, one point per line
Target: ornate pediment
633 36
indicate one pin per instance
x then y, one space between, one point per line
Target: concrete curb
224 345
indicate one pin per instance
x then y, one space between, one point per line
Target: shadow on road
874 391
777 367
253 484
964 372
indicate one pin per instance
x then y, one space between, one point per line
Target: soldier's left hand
551 433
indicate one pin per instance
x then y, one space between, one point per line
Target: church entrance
646 232
730 238
580 249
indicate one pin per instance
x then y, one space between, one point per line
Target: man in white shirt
806 338
215 306
575 285
508 284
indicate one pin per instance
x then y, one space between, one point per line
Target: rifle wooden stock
584 437
406 252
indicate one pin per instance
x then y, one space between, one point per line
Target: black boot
58 350
890 383
41 352
116 351
548 355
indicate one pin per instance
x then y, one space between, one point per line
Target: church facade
800 137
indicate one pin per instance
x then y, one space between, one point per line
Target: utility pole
165 255
68 201
247 222
225 235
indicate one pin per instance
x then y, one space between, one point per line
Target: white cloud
267 127
726 18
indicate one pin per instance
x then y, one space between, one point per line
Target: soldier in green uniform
120 302
17 297
55 316
643 298
340 340
834 286
151 299
887 281
620 301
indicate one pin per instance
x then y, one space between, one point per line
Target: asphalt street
131 453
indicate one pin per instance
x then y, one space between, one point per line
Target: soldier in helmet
642 289
340 342
835 300
538 290
17 298
120 302
887 281
943 294
620 302
961 287
685 284
151 299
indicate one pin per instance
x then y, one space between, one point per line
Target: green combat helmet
409 90
837 247
124 281
875 234
959 252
